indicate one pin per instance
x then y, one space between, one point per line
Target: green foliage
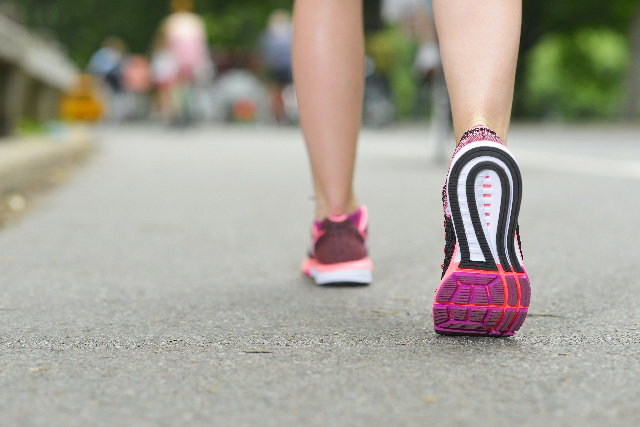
564 67
578 75
82 25
239 24
393 55
550 27
28 127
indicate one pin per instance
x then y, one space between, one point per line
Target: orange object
82 102
244 110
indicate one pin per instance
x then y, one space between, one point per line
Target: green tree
568 22
81 25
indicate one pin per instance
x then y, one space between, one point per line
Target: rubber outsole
474 303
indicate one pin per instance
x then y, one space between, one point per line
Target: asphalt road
161 287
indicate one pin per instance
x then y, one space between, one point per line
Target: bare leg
164 103
479 46
328 71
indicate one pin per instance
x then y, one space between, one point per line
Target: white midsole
342 276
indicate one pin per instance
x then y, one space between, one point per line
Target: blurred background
185 62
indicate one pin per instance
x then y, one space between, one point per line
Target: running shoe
338 250
484 288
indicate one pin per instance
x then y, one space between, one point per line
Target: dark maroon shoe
338 252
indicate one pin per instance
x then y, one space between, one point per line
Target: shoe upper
340 238
449 245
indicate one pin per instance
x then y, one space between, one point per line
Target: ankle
480 121
478 133
325 209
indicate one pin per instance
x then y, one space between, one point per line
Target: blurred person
136 80
164 72
275 49
181 60
136 74
484 289
106 64
415 17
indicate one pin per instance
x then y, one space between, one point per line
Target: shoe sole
488 291
351 273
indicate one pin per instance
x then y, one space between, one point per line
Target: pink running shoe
338 252
484 288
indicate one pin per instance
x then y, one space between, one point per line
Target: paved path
160 287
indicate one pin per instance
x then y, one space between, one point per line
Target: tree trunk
631 105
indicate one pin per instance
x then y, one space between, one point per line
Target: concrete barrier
24 160
33 75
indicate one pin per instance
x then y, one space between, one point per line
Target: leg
328 70
484 288
479 46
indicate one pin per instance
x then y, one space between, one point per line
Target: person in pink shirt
180 58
